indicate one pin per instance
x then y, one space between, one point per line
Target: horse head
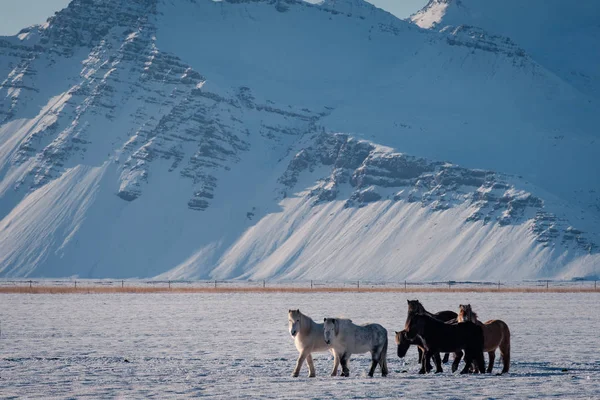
465 313
331 328
403 343
415 307
294 319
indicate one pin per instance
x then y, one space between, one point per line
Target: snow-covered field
237 346
283 140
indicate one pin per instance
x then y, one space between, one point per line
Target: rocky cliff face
132 148
152 100
363 173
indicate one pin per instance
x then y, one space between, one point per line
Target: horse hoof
421 372
311 375
295 375
439 371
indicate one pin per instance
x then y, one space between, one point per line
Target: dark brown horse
415 307
404 343
436 336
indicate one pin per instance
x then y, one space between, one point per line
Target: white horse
347 338
309 338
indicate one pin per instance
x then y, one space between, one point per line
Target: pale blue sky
18 14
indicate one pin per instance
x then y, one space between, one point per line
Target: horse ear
336 327
408 301
324 319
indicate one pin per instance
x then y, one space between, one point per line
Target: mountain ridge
132 149
560 35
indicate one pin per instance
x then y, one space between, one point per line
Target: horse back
445 315
498 326
449 338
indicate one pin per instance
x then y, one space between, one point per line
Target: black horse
415 307
436 336
404 343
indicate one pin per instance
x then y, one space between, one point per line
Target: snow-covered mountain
280 139
563 36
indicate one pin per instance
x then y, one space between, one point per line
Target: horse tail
383 358
505 347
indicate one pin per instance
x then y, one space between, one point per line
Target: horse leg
383 359
473 367
438 362
423 369
383 365
480 362
490 367
446 358
468 362
344 361
336 363
420 354
426 362
299 363
505 352
375 354
457 357
426 358
311 366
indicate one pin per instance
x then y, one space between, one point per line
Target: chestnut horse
495 335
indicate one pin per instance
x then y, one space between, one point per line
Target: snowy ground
237 346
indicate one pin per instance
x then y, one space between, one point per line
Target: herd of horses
444 332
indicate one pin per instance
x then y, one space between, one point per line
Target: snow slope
200 139
561 35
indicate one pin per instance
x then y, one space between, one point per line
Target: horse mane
419 309
347 320
413 314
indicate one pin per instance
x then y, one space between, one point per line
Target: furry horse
495 335
309 338
437 336
346 339
415 307
404 343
